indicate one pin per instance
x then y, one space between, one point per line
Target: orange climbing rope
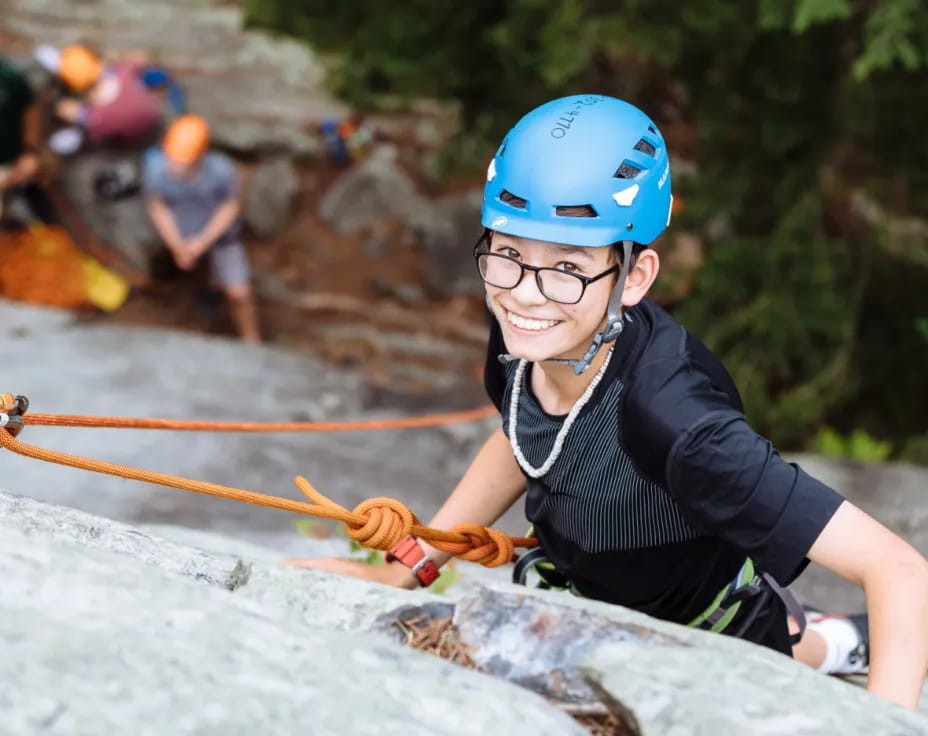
431 420
378 523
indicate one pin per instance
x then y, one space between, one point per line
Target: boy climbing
194 203
644 483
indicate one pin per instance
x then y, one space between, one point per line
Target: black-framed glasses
559 286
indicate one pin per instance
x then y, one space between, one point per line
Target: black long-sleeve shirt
662 488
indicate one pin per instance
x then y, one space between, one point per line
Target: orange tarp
42 265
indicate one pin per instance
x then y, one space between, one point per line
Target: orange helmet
187 139
79 68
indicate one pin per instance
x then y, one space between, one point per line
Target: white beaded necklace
565 428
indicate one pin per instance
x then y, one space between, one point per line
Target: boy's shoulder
218 164
665 345
675 382
665 337
154 167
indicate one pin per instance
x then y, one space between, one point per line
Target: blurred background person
194 201
19 141
111 103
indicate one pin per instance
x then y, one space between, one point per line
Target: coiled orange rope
378 523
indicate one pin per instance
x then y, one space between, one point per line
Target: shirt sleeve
227 186
153 174
729 480
494 373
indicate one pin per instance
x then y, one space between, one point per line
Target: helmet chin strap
614 321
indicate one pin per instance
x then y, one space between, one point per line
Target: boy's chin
535 354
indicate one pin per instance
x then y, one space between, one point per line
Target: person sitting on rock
194 202
645 484
19 142
113 106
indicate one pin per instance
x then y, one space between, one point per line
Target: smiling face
536 328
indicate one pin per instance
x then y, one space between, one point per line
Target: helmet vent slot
576 210
512 200
645 147
627 171
651 128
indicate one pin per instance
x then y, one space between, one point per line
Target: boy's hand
22 170
70 110
196 247
393 573
183 258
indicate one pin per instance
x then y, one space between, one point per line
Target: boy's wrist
401 576
410 554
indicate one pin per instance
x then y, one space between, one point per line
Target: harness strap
793 607
725 606
747 584
550 576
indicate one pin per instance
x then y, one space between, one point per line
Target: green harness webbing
716 618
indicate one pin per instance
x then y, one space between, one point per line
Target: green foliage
800 15
858 446
312 528
921 326
915 450
370 556
448 577
893 34
788 109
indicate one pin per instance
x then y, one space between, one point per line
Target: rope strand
378 523
431 420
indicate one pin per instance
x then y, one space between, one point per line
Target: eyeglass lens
506 273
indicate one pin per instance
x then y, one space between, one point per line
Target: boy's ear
640 277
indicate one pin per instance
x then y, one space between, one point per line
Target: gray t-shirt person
193 201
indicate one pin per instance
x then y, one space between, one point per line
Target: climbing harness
748 586
378 523
726 604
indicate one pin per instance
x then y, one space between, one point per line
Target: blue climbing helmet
592 152
580 150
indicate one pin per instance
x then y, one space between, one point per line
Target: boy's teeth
530 324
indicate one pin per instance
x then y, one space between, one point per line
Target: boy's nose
527 291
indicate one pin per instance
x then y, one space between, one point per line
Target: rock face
377 192
271 197
123 222
105 628
446 231
93 643
370 192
